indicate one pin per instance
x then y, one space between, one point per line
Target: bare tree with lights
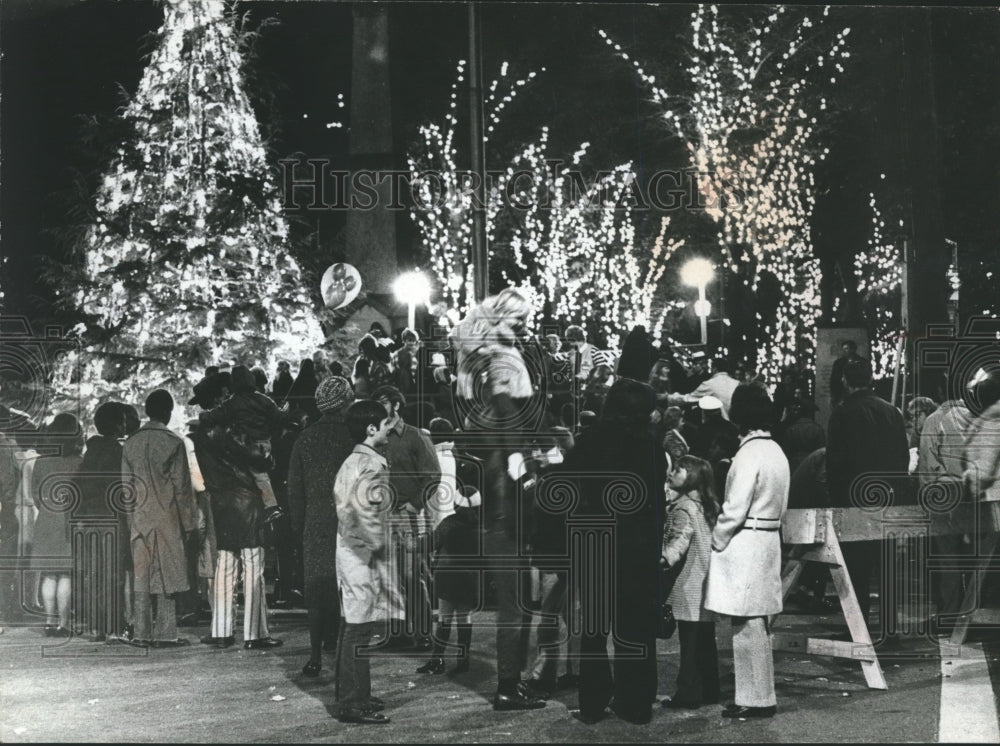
568 246
185 262
879 269
751 142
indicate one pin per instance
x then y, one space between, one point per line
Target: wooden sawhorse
814 537
815 534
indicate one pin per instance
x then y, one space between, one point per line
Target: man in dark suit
866 436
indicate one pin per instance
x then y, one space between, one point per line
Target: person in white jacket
744 575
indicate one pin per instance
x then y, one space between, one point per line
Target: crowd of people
407 490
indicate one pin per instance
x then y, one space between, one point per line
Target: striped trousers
224 594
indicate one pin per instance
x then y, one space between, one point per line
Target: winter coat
981 456
800 438
53 490
317 456
687 546
282 386
361 492
406 372
413 465
155 466
808 486
237 506
248 412
99 472
456 543
744 574
866 436
603 456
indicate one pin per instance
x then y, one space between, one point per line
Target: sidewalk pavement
80 691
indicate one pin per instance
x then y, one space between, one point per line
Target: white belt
762 524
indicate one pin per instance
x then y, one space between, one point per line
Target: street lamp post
698 273
412 288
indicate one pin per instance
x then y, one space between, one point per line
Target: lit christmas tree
186 261
751 141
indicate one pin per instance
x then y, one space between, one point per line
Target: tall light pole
698 273
412 288
480 249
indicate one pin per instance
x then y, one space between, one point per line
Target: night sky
64 59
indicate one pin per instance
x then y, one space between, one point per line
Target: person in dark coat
237 514
302 395
457 539
96 478
317 455
638 355
282 382
371 369
848 352
714 429
866 436
50 488
252 418
621 443
802 434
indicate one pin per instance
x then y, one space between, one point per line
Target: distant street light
698 273
412 288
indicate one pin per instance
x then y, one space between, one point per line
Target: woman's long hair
701 478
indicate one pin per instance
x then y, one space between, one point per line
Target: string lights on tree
185 263
568 244
879 269
748 124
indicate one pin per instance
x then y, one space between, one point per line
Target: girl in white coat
744 576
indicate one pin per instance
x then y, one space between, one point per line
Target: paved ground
79 691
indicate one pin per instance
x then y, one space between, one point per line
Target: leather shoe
739 711
263 643
433 666
363 717
180 642
520 700
539 688
312 669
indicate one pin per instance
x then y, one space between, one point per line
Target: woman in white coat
744 575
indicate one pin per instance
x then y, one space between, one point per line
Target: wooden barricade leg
824 547
856 622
